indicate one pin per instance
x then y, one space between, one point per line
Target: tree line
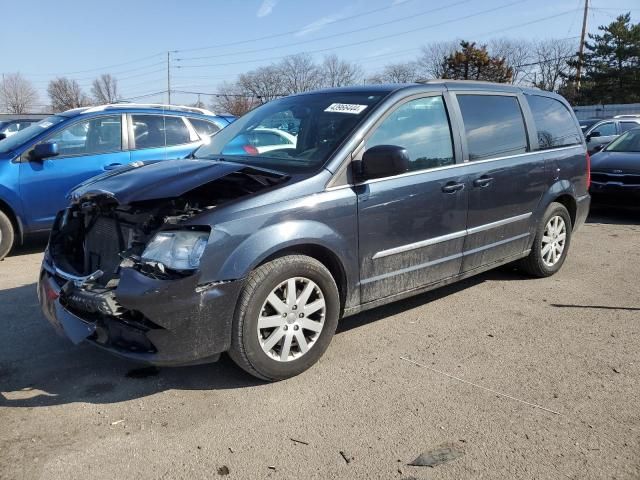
18 95
610 72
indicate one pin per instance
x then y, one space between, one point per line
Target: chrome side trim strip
431 263
423 243
495 244
411 268
499 223
449 236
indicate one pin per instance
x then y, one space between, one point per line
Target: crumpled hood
627 162
149 181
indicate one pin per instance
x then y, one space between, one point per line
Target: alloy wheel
553 240
291 319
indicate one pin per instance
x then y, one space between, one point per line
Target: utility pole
169 78
581 49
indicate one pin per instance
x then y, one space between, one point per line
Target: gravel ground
520 378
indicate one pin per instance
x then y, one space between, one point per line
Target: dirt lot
569 344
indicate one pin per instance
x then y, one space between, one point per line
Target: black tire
7 235
534 263
246 350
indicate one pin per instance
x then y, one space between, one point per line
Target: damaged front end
125 276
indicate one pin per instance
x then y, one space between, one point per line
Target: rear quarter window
554 123
493 124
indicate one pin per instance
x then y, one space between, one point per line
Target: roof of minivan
435 84
74 112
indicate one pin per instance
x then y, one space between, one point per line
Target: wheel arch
322 254
570 204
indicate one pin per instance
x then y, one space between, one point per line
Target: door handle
483 181
112 166
452 187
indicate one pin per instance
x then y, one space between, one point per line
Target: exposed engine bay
95 239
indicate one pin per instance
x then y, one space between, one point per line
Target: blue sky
130 38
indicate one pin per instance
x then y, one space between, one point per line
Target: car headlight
178 250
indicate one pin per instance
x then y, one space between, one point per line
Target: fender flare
268 241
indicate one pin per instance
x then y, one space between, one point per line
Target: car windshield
628 142
14 141
295 134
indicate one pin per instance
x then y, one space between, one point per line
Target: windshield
628 142
294 134
23 136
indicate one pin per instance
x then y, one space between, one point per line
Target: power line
94 69
326 37
291 32
362 42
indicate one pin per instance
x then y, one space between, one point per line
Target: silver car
604 132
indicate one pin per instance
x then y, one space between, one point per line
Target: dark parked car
389 191
616 169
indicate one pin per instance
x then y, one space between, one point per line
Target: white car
267 139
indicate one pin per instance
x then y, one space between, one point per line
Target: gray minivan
387 191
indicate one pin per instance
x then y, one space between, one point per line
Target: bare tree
397 73
233 99
518 55
17 94
431 60
551 58
264 83
339 73
105 89
299 73
65 94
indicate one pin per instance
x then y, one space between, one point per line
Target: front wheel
551 243
285 319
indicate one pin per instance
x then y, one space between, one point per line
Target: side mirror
44 150
384 161
3 136
598 148
593 135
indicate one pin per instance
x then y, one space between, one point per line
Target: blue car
40 164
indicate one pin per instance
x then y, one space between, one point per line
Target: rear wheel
551 243
6 235
286 317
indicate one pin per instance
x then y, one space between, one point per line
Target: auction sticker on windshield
345 108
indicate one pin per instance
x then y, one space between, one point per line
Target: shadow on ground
39 368
615 213
34 244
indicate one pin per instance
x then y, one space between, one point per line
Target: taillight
250 149
588 171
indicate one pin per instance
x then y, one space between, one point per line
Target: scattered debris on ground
223 470
346 457
295 440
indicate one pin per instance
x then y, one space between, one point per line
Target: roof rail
159 106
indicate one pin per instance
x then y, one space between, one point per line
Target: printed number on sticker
345 108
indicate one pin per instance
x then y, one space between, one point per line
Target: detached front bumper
162 322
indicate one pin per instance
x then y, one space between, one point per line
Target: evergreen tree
473 63
611 64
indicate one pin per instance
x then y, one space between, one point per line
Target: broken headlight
178 250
